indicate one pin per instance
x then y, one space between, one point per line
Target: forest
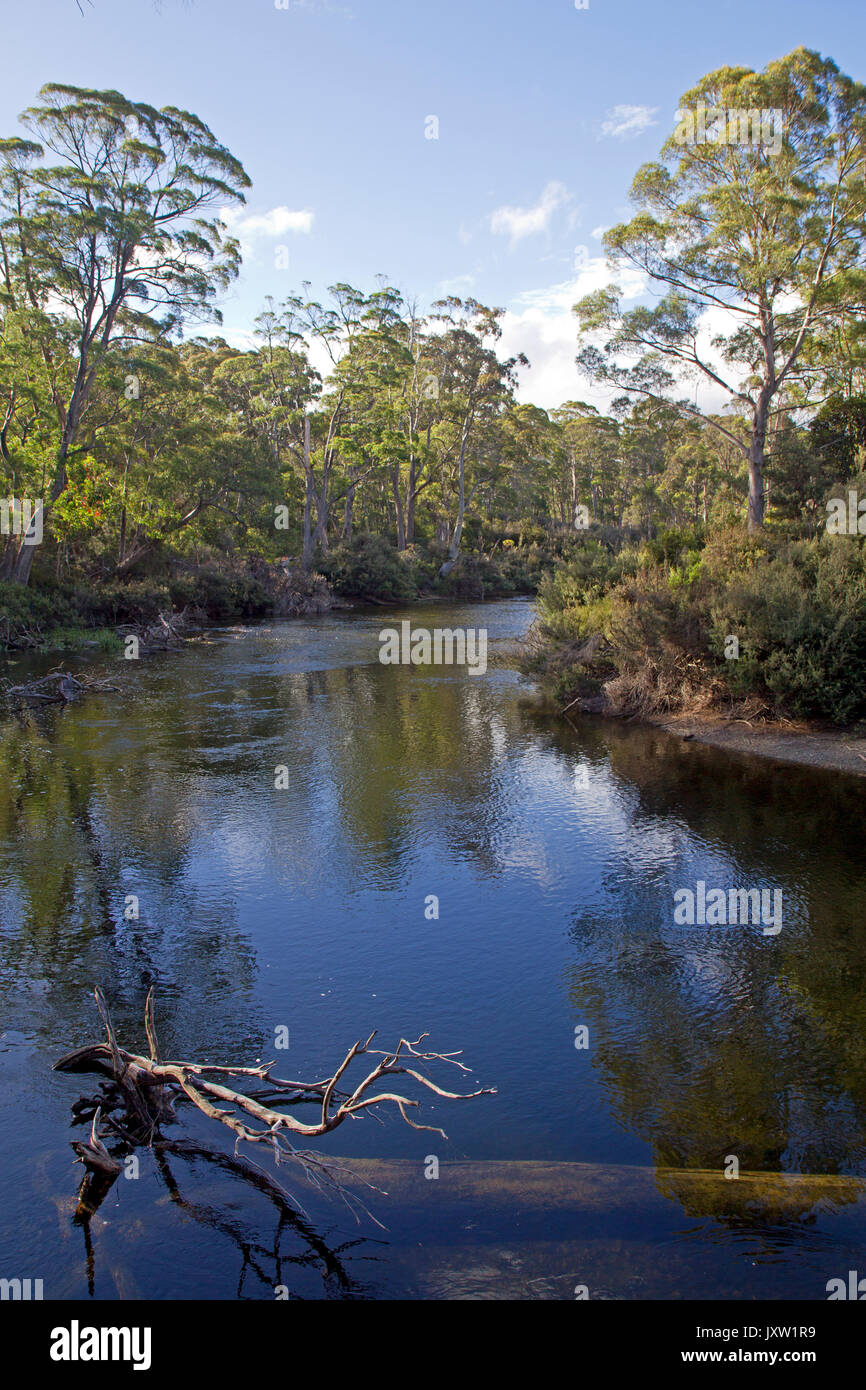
363 446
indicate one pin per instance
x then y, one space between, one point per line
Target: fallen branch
166 630
59 687
148 1089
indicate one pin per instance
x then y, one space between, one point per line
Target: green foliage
796 606
801 617
22 609
201 460
74 639
670 546
220 595
568 595
369 567
70 616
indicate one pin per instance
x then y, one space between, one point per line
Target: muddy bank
837 750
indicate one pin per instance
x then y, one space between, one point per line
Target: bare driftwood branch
149 1088
57 688
94 1154
165 631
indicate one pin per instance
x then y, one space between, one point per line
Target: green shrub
796 606
221 595
369 567
570 588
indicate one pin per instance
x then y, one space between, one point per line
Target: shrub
659 633
221 595
369 567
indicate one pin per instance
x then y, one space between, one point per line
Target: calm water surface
554 852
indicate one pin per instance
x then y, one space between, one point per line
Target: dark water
554 852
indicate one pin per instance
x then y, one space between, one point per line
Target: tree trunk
24 559
7 560
130 561
349 507
320 535
756 464
454 548
307 552
398 507
410 516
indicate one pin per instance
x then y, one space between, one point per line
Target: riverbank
839 750
78 614
99 617
835 750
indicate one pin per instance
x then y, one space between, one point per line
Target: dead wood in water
59 687
165 632
139 1093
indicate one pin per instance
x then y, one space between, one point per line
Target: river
631 1055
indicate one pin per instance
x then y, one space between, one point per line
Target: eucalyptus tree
272 390
593 463
755 216
475 389
369 380
108 219
346 331
160 457
420 412
190 467
26 389
533 456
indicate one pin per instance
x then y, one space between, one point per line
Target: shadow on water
267 1266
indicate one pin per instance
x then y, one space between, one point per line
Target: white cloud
275 222
456 285
714 322
625 122
518 223
244 339
542 325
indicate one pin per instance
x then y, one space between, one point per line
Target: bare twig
148 1087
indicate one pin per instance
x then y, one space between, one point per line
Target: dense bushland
692 623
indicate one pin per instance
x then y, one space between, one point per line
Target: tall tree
766 232
115 232
475 389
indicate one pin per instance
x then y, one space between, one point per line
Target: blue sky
544 114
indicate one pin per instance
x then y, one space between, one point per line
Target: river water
554 851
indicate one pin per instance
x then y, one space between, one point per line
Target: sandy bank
836 750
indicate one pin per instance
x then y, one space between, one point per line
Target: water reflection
554 853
